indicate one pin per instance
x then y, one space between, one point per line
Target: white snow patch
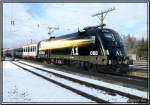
98 93
22 86
133 91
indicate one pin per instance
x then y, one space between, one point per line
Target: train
93 48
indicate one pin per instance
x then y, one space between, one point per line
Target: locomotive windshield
112 42
109 36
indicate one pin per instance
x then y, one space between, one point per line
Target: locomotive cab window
92 39
109 36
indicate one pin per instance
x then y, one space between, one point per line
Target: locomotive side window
92 38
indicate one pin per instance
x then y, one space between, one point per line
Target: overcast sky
127 18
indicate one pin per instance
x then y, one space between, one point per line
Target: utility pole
101 16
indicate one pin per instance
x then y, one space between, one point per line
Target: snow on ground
142 67
22 86
133 91
99 93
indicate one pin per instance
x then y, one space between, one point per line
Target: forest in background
139 47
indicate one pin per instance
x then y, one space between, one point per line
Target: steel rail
131 96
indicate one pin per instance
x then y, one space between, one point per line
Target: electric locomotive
94 47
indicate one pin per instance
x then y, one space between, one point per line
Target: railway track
134 80
96 98
128 80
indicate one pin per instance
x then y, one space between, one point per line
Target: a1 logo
74 51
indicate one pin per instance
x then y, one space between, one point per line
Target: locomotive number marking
74 51
93 52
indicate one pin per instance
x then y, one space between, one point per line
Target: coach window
33 48
30 49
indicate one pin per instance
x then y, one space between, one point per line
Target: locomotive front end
114 48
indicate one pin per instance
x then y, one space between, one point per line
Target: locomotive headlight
107 52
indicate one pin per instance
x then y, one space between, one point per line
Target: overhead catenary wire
102 15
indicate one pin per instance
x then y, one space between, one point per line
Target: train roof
30 44
68 35
87 30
